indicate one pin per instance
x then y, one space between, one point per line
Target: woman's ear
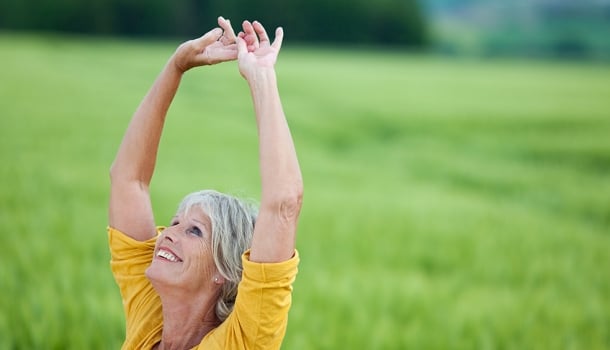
218 279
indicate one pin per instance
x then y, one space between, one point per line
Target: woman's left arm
282 185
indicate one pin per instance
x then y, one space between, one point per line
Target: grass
448 204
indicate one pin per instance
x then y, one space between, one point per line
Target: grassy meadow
449 204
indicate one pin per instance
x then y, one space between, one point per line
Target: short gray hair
233 222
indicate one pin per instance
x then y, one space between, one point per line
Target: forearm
280 172
135 160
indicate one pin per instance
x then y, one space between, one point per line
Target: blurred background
455 153
556 28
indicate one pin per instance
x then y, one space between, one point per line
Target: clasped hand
251 47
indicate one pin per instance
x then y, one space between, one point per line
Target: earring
215 279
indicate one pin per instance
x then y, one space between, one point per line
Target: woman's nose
169 235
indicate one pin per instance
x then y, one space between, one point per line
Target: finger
227 53
247 27
260 31
225 24
220 53
250 37
279 36
242 36
208 38
241 45
251 41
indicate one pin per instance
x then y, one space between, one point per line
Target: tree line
379 22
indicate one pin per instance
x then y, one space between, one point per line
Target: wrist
262 77
173 67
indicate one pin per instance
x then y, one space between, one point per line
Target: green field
448 204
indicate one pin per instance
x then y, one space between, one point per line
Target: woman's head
232 224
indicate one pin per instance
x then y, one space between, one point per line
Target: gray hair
233 222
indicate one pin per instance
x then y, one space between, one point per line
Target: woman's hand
217 45
255 50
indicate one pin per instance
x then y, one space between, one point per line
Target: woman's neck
186 322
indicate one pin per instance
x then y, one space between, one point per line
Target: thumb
279 36
209 37
241 45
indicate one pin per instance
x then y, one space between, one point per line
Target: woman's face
183 254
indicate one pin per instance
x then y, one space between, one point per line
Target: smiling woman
220 276
220 227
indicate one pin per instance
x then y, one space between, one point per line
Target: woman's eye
195 231
174 223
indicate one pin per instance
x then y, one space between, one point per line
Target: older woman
220 276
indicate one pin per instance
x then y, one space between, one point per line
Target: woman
183 286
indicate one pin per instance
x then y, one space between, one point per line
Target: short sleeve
260 316
129 260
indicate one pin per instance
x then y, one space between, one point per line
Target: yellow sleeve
260 315
141 303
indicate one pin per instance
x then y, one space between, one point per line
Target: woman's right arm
130 210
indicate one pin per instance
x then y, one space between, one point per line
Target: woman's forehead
195 213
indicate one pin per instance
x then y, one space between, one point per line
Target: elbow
120 176
290 207
122 170
293 202
287 203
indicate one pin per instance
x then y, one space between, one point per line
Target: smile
167 255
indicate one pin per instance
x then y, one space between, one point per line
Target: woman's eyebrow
205 224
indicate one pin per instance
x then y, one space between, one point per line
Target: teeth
167 255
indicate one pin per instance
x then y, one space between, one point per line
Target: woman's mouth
168 255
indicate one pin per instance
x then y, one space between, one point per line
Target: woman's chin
158 273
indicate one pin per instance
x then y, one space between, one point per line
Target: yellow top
258 320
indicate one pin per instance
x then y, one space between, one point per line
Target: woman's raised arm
130 210
282 184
